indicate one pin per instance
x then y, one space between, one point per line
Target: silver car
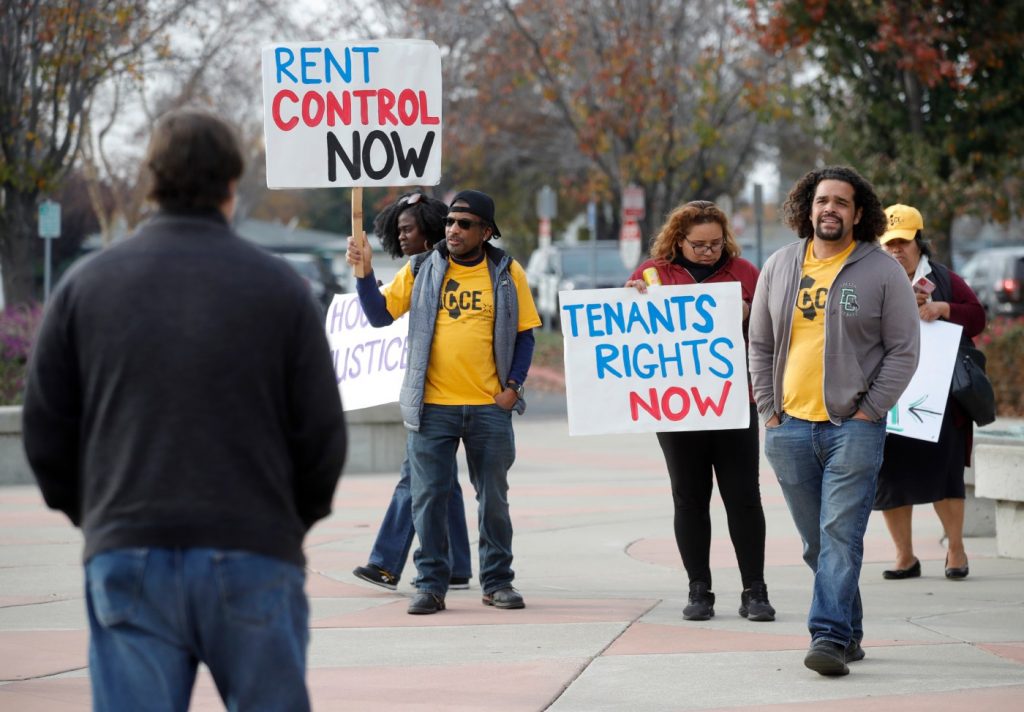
565 267
996 275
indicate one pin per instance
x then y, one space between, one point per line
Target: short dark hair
429 214
193 157
797 208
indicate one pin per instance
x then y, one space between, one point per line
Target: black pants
734 457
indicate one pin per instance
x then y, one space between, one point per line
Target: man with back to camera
471 321
182 409
833 343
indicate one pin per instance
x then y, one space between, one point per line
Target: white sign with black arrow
919 412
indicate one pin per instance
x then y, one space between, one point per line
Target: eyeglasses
464 223
410 199
706 247
700 204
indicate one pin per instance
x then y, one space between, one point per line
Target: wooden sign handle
357 228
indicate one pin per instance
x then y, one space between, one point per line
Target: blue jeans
154 614
486 434
391 547
828 475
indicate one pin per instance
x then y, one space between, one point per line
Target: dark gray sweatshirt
181 394
872 332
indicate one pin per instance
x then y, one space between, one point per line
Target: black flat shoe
913 572
957 573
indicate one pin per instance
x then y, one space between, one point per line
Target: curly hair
797 208
193 157
667 245
429 214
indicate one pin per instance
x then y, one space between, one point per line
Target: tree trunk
16 245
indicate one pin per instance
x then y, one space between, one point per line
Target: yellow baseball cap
904 222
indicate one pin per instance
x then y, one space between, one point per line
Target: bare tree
53 56
210 59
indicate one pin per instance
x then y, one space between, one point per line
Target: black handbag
971 387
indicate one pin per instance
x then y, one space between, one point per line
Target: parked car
564 267
996 275
316 270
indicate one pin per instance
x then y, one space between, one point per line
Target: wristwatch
519 388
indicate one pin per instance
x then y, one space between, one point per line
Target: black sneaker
754 605
701 605
827 658
371 573
458 583
854 652
425 602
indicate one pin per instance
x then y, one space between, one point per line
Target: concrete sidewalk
602 630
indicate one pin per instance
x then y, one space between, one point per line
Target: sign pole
49 229
759 221
357 227
46 273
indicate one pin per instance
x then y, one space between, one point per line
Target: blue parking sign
49 219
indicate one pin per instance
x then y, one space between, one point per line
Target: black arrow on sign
914 410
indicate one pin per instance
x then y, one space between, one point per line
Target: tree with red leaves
925 97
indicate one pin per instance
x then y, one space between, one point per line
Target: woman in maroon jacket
696 246
918 471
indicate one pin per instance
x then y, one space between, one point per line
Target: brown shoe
504 598
425 602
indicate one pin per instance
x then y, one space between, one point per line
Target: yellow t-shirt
803 386
461 369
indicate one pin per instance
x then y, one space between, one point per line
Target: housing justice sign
352 113
671 359
369 363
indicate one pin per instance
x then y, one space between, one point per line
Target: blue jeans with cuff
828 474
394 539
485 432
155 614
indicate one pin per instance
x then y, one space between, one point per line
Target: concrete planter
13 466
998 461
376 442
999 476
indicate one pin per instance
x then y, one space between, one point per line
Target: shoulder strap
417 261
943 284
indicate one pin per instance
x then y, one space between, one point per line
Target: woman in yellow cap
918 471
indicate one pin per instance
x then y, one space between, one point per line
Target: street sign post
49 229
630 244
547 209
633 208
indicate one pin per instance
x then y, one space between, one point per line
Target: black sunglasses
464 223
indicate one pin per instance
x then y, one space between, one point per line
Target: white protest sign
364 113
918 413
369 363
671 359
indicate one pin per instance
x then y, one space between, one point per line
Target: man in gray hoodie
833 342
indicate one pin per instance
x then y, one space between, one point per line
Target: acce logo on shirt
455 302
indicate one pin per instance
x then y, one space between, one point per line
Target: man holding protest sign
834 341
470 348
182 410
411 225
